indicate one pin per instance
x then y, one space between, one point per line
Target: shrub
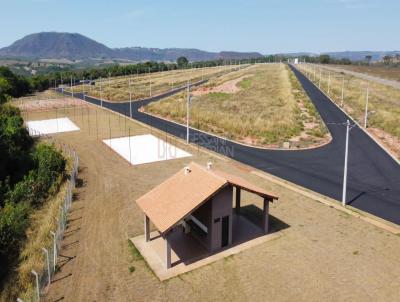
15 146
13 222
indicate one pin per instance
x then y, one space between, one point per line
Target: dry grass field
120 89
322 255
385 72
262 105
383 104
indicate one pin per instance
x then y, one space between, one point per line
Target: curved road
373 176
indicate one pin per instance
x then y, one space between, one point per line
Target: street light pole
342 91
150 81
366 108
320 77
130 99
83 89
72 88
329 83
187 111
346 155
101 93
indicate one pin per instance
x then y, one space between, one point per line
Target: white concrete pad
56 125
144 149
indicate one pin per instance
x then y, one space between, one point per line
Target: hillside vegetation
30 173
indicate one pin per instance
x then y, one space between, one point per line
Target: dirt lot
384 72
322 255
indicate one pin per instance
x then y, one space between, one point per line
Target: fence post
54 250
37 284
46 252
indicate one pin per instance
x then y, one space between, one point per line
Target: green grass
245 83
132 269
134 252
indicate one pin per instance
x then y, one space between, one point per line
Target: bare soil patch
227 87
393 143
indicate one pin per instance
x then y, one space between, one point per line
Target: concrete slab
188 254
51 126
142 149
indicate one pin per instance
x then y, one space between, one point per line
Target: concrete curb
236 142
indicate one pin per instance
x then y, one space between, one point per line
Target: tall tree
182 61
387 59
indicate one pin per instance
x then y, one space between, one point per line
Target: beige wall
217 207
221 206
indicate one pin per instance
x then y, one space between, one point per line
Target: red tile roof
181 194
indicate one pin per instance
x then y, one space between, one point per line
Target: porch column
167 253
147 228
265 221
237 208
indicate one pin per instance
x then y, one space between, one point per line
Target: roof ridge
210 171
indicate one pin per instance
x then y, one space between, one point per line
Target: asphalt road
373 176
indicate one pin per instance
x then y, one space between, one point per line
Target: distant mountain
54 45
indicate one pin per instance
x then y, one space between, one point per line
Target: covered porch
184 253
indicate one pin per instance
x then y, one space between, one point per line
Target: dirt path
392 83
321 250
226 87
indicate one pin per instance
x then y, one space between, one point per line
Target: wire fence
48 268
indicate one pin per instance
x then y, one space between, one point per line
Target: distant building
296 61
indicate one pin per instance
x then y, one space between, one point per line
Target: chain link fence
48 268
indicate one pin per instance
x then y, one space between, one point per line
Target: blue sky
268 26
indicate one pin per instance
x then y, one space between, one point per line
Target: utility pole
101 93
342 91
320 77
329 82
150 80
72 88
366 109
83 89
315 69
109 86
346 155
130 99
187 111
